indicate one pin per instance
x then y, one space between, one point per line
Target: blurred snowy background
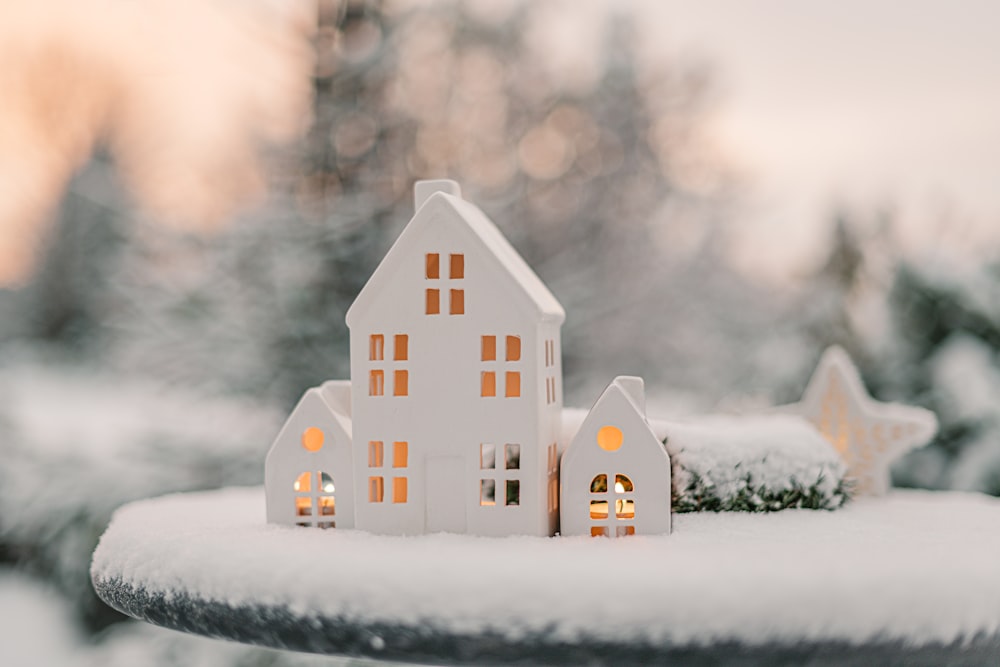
192 192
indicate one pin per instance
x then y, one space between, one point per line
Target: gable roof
467 217
624 392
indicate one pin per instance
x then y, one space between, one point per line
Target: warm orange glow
376 489
303 507
489 384
376 383
375 450
609 438
401 351
599 531
457 302
433 301
599 484
513 384
399 489
598 509
489 348
327 506
513 348
433 269
304 483
623 484
457 268
312 439
400 454
401 383
622 531
376 347
625 509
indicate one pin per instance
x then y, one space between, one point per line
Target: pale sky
861 103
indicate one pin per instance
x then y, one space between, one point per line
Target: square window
433 301
489 348
598 509
513 348
401 351
376 489
303 507
487 457
513 384
401 383
433 268
457 269
399 489
375 450
376 383
400 454
376 347
512 457
457 302
489 384
327 506
625 509
622 531
599 531
513 496
487 492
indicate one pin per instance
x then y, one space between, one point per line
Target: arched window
314 500
612 507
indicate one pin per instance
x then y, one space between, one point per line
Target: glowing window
457 302
623 484
312 439
433 301
599 484
513 386
314 500
400 454
599 531
456 270
399 489
513 348
376 347
326 483
487 457
512 457
303 507
433 268
401 349
513 495
401 383
327 507
489 348
609 438
376 489
487 492
375 452
598 509
489 384
622 531
303 483
625 508
376 383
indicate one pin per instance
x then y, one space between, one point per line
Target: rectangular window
303 507
433 269
599 531
487 492
489 384
513 348
433 301
489 348
513 386
513 496
548 391
399 489
400 384
457 302
512 457
376 383
457 268
375 451
623 531
401 351
376 347
400 454
487 457
547 356
376 489
598 509
625 509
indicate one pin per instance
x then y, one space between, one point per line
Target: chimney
422 190
635 389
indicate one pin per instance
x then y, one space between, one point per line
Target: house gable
464 220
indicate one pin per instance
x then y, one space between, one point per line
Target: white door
445 501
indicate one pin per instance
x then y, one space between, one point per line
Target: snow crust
916 566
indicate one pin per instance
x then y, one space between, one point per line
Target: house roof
450 209
336 395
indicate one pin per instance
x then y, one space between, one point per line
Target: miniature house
455 397
615 474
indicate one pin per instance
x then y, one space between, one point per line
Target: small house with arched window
615 474
309 475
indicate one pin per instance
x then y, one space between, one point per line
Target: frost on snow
758 463
915 566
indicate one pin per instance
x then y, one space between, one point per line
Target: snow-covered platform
914 578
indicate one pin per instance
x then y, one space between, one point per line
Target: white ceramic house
615 474
455 392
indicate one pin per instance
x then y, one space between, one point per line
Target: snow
915 566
